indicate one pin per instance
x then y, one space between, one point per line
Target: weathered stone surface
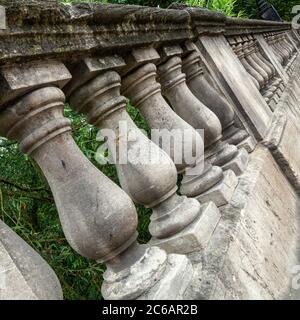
148 175
174 282
268 51
249 144
283 136
24 275
152 275
221 193
73 31
255 244
232 75
19 79
239 163
194 237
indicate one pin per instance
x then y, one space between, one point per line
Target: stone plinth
255 245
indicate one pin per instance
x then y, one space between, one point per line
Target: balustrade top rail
49 29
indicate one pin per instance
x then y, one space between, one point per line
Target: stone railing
183 68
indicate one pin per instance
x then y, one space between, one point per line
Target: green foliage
225 6
284 8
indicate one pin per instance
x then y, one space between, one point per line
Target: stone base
249 144
283 139
146 272
239 163
221 193
195 236
174 281
254 250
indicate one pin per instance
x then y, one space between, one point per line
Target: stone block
194 237
239 163
174 281
138 57
284 143
19 79
255 246
249 144
221 193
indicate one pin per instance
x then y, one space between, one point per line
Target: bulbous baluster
276 50
209 96
268 65
248 64
144 91
149 176
189 108
286 44
238 49
98 218
250 45
24 275
283 48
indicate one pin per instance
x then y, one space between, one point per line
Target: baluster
98 218
148 176
247 61
286 44
283 49
214 100
276 49
260 63
141 87
24 274
238 50
190 109
268 64
249 49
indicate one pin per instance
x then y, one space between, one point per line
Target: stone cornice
237 26
203 21
69 32
50 29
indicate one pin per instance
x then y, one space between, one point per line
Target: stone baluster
248 64
203 89
257 59
193 111
237 47
276 50
268 65
249 50
286 44
140 86
24 274
148 174
284 49
98 218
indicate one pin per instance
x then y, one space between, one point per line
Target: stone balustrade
183 68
